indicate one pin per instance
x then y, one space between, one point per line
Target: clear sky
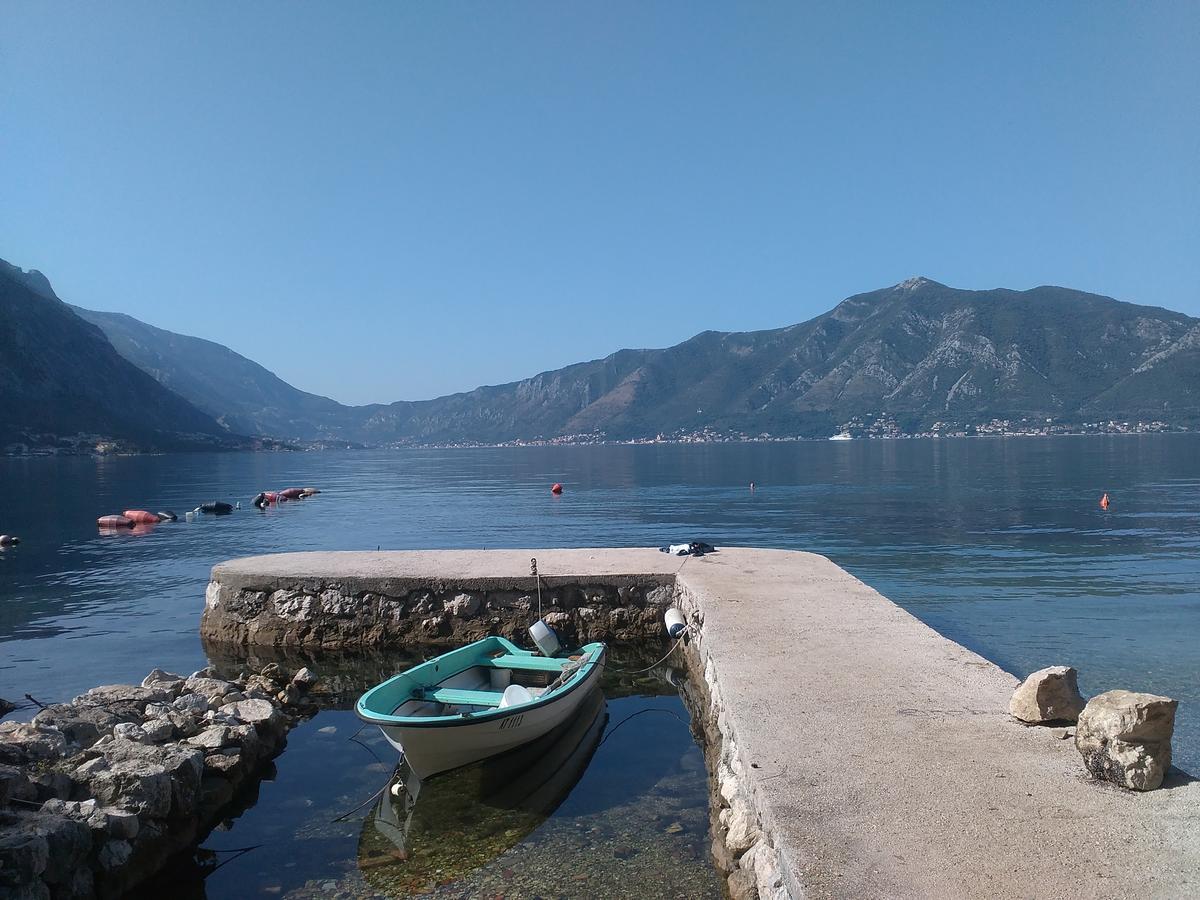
398 200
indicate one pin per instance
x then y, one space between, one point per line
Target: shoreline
634 442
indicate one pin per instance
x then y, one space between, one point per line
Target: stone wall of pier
744 849
348 611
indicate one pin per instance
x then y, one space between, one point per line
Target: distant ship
844 436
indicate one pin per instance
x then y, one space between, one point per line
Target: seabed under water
615 805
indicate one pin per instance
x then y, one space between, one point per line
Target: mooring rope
678 641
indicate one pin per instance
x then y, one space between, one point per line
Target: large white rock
463 605
1125 738
1048 695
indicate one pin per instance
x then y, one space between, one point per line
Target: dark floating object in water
215 507
291 493
167 515
9 540
114 522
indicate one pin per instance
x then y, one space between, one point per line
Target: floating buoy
142 517
292 493
1104 501
556 488
114 522
9 540
215 507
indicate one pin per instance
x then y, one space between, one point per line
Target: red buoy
142 517
1104 501
114 522
556 488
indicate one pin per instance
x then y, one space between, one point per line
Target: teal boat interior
487 677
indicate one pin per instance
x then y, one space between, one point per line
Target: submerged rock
305 678
1125 737
1048 695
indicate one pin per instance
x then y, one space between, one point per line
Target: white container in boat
676 624
545 638
500 678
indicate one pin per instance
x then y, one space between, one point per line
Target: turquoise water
997 543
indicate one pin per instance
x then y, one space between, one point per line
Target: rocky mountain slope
238 392
919 351
60 377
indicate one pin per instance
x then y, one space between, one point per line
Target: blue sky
394 201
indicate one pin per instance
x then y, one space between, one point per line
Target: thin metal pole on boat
538 579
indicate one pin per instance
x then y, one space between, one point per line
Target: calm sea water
997 543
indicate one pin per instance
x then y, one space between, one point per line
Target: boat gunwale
582 676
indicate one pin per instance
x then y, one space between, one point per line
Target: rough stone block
1125 737
1048 695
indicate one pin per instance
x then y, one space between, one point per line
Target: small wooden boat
477 701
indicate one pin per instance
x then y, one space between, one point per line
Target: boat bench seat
459 697
526 663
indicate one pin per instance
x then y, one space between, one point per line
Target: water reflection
415 836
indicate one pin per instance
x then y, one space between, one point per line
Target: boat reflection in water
440 830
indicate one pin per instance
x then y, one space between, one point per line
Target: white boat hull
432 749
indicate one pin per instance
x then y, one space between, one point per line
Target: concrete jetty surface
879 755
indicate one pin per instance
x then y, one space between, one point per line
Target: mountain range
919 352
61 378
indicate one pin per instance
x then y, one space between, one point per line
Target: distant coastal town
883 427
863 428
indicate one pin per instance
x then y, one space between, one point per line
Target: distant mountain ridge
60 377
239 393
918 351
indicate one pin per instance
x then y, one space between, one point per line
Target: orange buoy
142 517
556 488
1104 501
114 522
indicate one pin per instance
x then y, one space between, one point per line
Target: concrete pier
861 753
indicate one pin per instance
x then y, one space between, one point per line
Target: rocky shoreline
97 794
